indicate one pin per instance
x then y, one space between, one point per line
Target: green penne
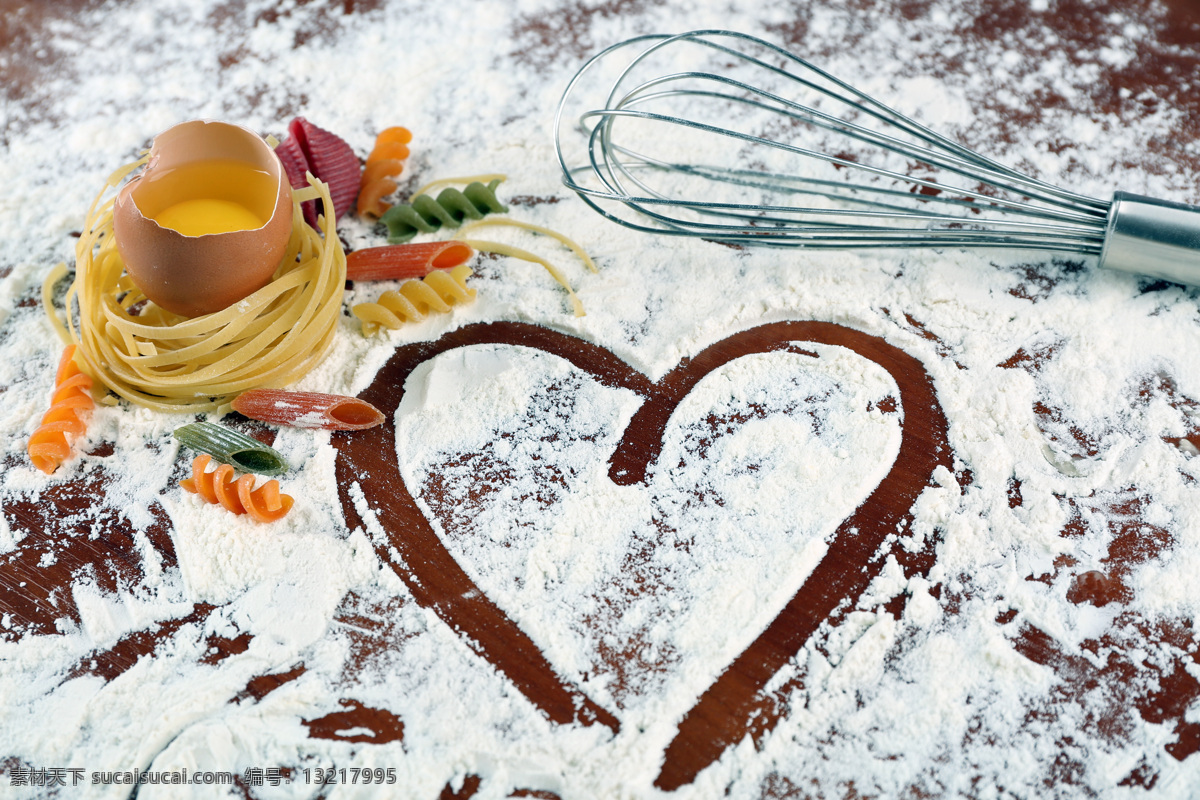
451 208
230 447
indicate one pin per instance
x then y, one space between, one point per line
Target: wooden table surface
68 531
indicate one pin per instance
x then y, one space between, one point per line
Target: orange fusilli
265 504
48 446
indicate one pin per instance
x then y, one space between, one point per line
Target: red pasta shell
295 164
403 261
331 160
327 156
332 412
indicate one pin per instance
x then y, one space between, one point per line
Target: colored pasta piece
232 447
381 168
333 412
402 261
370 197
238 495
48 446
295 163
415 299
385 162
451 208
390 151
327 156
388 136
567 241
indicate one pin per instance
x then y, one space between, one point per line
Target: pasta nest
154 358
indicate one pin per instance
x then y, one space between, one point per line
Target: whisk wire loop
976 166
1006 181
759 199
850 96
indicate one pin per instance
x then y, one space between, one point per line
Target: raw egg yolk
205 197
208 215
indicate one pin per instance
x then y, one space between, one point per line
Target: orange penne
404 261
264 504
333 412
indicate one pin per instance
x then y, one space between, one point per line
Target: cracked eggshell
193 275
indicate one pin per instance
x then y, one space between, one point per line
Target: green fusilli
451 208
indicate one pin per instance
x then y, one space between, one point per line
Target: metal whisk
721 135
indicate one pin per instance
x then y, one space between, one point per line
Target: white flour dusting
1061 387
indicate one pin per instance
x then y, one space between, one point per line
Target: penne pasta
404 261
232 447
332 412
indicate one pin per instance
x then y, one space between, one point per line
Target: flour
1060 387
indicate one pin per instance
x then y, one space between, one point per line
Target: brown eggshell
194 275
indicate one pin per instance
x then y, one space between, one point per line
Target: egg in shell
207 221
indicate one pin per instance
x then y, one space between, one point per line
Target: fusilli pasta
415 299
265 504
48 446
451 208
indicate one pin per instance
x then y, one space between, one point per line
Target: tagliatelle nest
163 361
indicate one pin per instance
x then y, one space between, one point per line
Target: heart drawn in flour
724 713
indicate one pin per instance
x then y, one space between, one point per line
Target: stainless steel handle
1153 237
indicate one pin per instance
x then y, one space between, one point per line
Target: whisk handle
1153 237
